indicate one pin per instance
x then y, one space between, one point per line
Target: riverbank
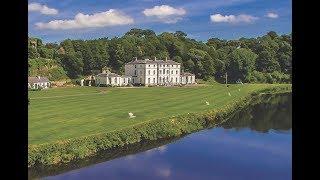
64 151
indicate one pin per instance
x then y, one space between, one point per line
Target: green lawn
63 113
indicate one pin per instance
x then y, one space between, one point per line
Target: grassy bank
161 113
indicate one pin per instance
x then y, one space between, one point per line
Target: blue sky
53 20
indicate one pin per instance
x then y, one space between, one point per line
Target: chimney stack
166 58
155 58
136 58
38 77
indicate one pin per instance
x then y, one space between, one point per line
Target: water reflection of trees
103 156
268 112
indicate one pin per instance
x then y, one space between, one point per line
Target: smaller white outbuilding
38 82
107 78
187 78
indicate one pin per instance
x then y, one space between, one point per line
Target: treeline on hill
266 59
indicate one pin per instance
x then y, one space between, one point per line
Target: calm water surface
253 144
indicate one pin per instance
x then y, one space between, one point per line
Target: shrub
280 77
251 79
260 76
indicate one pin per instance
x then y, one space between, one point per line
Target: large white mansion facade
147 72
157 72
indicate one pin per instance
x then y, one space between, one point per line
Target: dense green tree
52 46
135 32
209 66
189 65
284 57
99 54
177 59
45 52
118 55
72 64
180 34
241 64
68 46
272 34
32 52
266 62
216 43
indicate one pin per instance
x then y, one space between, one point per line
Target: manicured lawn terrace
63 113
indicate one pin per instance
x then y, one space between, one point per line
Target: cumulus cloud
272 15
111 17
242 18
165 13
43 9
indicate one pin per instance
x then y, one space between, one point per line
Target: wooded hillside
262 59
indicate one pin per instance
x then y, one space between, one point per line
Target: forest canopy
266 59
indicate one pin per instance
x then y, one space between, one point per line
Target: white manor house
147 72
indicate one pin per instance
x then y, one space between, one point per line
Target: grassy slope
57 114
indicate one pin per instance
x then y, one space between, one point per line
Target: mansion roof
110 75
37 79
148 61
187 74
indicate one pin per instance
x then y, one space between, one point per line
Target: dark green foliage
241 63
267 54
32 52
45 52
67 46
73 65
274 77
266 62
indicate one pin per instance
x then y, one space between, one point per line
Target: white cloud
272 15
242 18
43 9
111 17
165 13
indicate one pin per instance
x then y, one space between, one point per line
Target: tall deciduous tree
72 64
266 62
241 63
68 46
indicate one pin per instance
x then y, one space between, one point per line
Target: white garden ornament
207 103
131 115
